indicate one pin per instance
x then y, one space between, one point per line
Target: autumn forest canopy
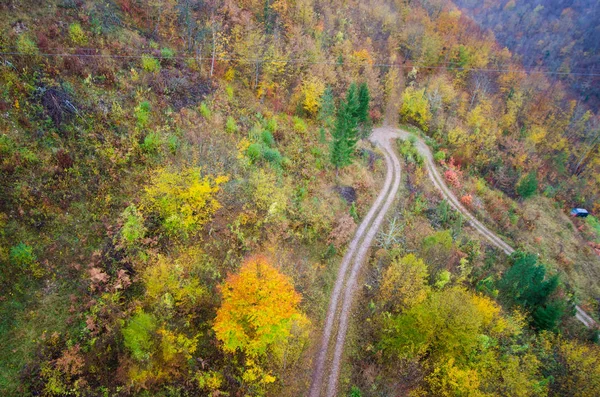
181 179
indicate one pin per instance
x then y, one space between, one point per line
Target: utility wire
299 61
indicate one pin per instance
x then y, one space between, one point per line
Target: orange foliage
259 307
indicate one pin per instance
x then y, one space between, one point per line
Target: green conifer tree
363 103
327 110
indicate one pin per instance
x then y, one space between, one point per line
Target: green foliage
229 91
410 153
272 156
299 125
254 151
327 110
439 156
22 255
26 45
150 64
267 138
142 114
205 111
525 284
138 335
231 125
594 224
528 185
362 112
345 130
355 392
353 212
133 229
77 34
167 53
151 143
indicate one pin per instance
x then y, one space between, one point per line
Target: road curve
360 244
492 237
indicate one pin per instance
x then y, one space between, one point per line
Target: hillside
557 36
180 180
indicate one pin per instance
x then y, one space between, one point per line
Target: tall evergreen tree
327 110
363 103
345 130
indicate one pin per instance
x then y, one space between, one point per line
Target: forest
181 179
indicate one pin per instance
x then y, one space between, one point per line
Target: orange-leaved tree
259 308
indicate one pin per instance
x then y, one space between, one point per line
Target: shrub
173 143
77 34
183 200
133 227
167 53
439 156
272 156
467 200
151 143
268 139
453 178
254 151
299 125
205 111
230 125
528 185
22 256
142 114
229 92
150 64
26 45
137 335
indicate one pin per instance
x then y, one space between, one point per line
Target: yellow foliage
415 107
259 308
537 134
404 283
171 283
312 89
183 199
363 56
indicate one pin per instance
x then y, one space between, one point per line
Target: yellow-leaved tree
259 310
312 90
183 200
415 107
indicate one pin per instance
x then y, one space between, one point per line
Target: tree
183 200
327 109
258 310
345 130
404 284
415 107
525 284
364 99
528 185
313 89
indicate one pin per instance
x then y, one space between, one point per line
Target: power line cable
299 61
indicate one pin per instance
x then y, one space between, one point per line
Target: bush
150 64
439 156
205 111
167 53
267 138
230 125
22 256
528 185
299 125
133 227
77 34
142 114
272 156
254 151
151 143
26 45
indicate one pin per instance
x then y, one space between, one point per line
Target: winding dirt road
339 310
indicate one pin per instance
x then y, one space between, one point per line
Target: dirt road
339 310
357 249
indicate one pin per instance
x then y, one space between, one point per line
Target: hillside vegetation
179 180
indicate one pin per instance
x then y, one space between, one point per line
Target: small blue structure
579 212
